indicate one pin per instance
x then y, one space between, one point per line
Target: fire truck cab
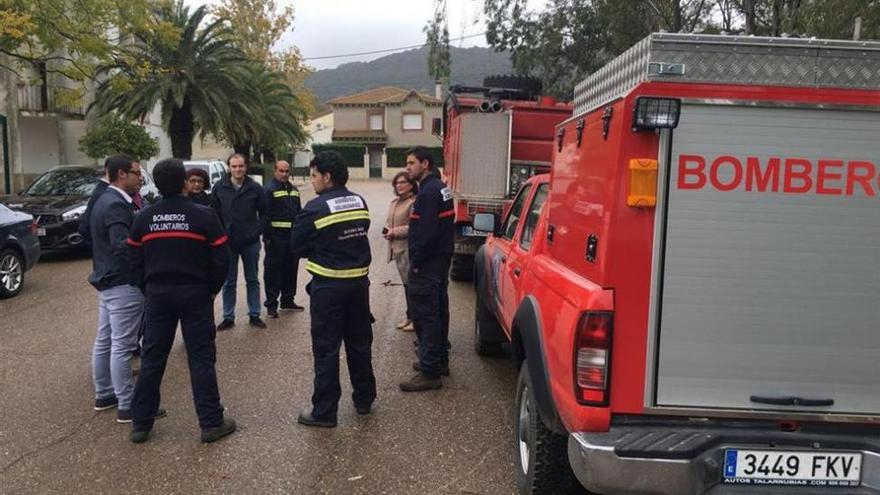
494 138
692 293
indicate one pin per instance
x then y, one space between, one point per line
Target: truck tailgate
767 287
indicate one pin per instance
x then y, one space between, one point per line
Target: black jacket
179 242
432 222
242 213
110 224
84 228
284 206
331 231
201 198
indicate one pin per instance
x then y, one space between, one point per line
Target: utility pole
857 32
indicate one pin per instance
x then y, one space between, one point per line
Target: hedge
352 154
397 156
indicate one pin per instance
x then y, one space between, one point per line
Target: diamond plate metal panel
735 60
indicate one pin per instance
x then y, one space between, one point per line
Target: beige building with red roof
382 118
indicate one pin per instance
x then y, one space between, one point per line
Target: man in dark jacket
84 222
332 233
120 301
431 241
241 205
181 250
279 265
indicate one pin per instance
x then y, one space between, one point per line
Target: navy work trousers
340 312
279 272
193 307
428 295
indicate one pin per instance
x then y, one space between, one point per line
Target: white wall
70 132
40 148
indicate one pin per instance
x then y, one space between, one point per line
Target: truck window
512 221
525 240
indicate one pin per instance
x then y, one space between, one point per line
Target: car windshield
66 181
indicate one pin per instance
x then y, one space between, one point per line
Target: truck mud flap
528 322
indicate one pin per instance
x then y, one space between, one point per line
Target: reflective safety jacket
284 206
331 231
431 223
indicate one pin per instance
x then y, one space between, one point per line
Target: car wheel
11 273
541 455
485 325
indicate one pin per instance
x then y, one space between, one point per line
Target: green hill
407 69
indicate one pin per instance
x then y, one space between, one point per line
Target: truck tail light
642 191
592 358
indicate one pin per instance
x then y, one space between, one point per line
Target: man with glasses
120 300
279 265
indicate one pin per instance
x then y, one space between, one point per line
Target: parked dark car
19 249
58 198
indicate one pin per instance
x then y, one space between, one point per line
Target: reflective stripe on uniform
345 216
317 269
446 214
283 194
282 225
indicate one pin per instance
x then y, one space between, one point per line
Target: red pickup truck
692 294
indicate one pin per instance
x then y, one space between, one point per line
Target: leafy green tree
113 134
437 34
194 77
280 103
68 38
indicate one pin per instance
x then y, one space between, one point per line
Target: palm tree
272 115
193 77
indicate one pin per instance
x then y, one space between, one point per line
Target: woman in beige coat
397 229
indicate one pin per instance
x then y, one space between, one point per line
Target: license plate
41 231
468 231
776 467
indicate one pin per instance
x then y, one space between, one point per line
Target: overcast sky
334 27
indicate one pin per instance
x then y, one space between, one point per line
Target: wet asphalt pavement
456 440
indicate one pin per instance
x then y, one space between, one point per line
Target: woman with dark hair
196 180
397 229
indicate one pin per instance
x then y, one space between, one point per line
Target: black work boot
272 312
421 382
306 418
213 434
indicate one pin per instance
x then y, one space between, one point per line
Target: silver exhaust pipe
496 106
485 106
74 239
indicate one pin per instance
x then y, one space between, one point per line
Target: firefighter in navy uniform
430 252
279 265
181 253
332 233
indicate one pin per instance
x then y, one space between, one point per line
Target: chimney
438 90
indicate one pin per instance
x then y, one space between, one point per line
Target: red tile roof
383 95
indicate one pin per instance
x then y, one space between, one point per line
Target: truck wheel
485 324
541 455
11 273
462 269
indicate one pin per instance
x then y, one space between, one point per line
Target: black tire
527 84
547 471
11 273
462 268
485 324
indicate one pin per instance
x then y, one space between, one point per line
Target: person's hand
389 236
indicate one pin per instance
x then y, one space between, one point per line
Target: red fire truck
495 137
693 293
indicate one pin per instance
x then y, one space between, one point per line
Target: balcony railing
51 99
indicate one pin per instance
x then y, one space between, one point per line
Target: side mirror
485 222
437 127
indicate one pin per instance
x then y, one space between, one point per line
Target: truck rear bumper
675 460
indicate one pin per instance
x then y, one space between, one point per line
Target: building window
412 122
377 122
